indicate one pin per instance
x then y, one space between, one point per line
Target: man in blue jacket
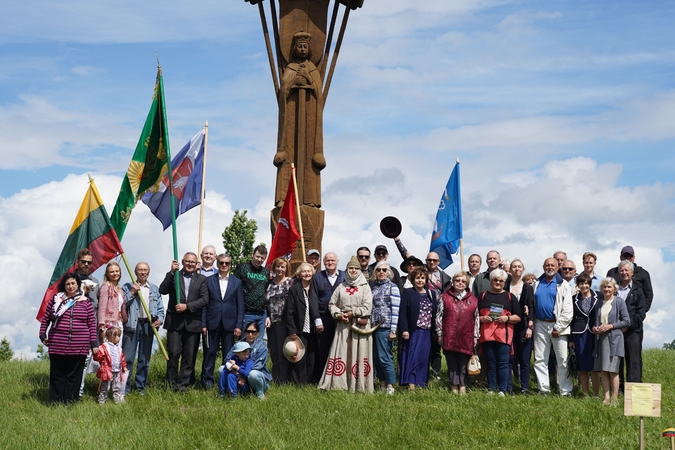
223 317
138 336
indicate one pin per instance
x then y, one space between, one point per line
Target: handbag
474 365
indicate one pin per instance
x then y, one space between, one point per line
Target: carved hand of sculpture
319 161
279 158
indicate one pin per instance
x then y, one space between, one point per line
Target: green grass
305 418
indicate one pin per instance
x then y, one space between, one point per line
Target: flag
286 234
148 163
187 168
448 226
92 229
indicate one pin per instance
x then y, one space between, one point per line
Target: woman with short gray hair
609 320
386 302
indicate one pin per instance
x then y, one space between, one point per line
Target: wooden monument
298 56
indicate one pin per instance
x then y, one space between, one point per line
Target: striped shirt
73 333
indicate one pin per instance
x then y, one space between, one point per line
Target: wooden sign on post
643 400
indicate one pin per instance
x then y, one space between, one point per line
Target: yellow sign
642 399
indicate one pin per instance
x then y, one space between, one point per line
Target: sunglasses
432 260
251 331
568 269
499 281
224 263
381 269
363 256
84 262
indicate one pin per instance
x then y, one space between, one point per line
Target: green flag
149 163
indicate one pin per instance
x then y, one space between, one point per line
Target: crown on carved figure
301 36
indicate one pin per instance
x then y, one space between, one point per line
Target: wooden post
297 207
642 433
338 45
324 60
277 44
266 33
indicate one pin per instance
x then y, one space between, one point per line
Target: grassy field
305 418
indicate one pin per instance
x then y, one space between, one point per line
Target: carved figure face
302 50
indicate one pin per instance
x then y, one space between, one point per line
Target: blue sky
561 112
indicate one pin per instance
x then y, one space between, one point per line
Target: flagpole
297 207
165 136
201 206
145 307
461 239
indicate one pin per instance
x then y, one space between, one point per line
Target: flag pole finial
159 66
458 160
90 178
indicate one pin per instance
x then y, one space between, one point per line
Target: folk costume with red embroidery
351 354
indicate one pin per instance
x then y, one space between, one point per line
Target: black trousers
65 377
324 342
182 347
281 367
218 338
632 344
303 370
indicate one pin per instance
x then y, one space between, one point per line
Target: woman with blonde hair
609 320
276 298
303 322
111 307
522 340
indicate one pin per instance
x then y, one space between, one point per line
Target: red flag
286 234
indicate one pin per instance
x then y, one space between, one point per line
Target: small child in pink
113 370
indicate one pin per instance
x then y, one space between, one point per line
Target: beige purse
474 365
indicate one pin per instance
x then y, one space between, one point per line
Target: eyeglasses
85 262
432 260
460 281
568 269
224 263
363 256
381 269
499 281
251 331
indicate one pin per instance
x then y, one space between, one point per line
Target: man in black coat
631 293
183 320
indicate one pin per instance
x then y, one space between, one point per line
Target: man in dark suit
223 317
183 322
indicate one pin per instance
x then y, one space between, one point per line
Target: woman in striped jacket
72 333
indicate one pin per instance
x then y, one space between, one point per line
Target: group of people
337 329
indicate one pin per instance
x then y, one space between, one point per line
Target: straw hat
294 349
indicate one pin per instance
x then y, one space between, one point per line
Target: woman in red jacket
457 320
498 310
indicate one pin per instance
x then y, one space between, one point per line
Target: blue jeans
383 356
522 349
259 384
140 340
260 318
497 358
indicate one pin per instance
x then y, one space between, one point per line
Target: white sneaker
390 391
501 394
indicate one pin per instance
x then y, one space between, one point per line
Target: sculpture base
312 226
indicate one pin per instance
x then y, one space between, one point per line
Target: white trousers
542 349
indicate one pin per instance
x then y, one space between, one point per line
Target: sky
560 112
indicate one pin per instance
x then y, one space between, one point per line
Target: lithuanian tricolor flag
92 229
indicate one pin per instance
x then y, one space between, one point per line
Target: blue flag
187 168
448 226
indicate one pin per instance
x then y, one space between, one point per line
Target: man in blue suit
223 318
